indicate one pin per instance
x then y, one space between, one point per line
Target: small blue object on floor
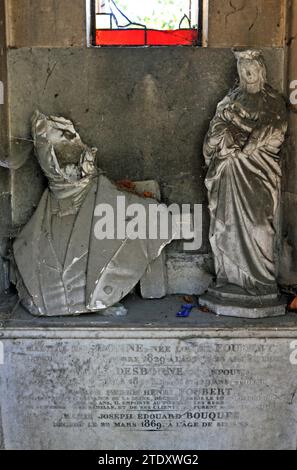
185 310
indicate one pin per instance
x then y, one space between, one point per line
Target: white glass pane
103 21
155 14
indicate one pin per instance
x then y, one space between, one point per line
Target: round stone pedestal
232 301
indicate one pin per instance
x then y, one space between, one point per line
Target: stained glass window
147 22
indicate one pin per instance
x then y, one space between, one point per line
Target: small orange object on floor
293 304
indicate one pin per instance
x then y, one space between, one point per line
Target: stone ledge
147 381
144 318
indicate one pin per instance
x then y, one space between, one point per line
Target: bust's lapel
101 251
79 242
115 266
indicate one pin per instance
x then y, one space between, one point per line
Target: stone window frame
203 7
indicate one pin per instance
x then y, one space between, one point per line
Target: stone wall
52 23
46 23
289 259
146 109
247 23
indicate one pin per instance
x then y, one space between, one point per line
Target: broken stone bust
242 153
62 267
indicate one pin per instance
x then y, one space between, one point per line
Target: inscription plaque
177 391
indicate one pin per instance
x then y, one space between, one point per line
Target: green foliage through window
154 14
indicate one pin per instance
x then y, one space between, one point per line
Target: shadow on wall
146 110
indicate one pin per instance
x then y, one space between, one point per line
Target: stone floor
142 314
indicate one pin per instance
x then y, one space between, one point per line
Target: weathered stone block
199 383
189 274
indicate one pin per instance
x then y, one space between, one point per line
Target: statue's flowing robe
243 182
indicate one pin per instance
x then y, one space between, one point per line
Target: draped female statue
241 151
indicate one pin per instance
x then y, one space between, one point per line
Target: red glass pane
120 37
149 37
178 37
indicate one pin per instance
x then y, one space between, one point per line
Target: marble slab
148 381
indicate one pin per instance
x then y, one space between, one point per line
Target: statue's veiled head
252 70
61 153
